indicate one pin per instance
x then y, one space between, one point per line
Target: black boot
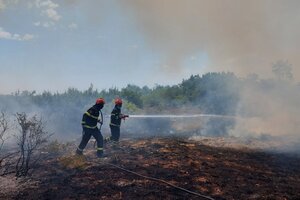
100 154
79 152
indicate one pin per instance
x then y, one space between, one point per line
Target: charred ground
219 172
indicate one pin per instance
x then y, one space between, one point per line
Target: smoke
60 118
263 112
239 36
270 107
244 37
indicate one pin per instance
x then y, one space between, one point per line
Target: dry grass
74 162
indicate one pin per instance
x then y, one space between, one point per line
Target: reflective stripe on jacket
115 117
114 125
90 118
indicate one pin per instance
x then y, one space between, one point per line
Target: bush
30 138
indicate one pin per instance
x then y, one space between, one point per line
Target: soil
218 172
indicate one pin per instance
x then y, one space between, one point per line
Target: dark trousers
115 133
87 133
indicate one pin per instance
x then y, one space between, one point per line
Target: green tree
133 94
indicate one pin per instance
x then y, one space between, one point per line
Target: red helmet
118 101
100 101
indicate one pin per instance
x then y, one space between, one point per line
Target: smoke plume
240 36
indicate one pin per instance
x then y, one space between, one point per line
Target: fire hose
158 180
151 178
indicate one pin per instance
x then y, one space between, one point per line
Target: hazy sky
56 44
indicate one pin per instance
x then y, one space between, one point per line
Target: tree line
213 93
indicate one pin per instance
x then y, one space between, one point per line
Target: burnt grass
221 173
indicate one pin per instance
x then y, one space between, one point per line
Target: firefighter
89 125
115 121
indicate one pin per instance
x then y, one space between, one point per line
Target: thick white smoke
240 36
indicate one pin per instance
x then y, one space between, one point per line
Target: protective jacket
116 117
90 118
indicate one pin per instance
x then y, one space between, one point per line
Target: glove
124 116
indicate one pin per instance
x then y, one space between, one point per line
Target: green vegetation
215 93
211 93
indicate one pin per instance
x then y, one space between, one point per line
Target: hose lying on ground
157 180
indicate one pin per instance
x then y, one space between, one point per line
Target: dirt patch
219 172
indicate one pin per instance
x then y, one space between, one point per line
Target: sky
51 45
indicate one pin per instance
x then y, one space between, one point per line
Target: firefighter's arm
83 121
123 116
100 119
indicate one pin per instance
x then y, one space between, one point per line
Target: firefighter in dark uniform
115 121
89 125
